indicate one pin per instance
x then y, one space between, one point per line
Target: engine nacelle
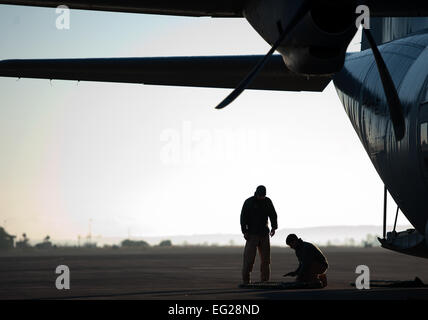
318 43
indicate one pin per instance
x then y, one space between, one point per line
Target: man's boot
323 279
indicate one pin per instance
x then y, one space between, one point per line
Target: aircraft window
424 136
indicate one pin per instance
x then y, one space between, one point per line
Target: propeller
394 104
250 77
393 100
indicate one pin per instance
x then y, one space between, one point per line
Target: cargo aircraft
383 88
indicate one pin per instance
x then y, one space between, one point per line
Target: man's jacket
308 254
255 214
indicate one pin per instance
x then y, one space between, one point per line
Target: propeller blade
394 104
247 81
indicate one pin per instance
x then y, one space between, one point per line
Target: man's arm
294 273
298 270
244 218
303 268
273 218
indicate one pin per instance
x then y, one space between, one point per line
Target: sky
129 159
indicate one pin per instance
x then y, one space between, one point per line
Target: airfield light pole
90 230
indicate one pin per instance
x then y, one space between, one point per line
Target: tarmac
202 273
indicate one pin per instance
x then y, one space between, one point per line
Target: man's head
292 241
260 192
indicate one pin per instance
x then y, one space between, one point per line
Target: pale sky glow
161 160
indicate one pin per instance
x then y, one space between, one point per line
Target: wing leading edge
210 71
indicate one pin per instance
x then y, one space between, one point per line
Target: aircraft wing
208 71
213 8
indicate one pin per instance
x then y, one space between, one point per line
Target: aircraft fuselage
403 165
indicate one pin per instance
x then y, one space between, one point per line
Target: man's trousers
262 243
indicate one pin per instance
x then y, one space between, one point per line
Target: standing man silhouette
254 225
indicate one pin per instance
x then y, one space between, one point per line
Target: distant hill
335 235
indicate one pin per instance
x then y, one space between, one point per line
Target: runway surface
196 273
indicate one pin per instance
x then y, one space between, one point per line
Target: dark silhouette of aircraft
384 88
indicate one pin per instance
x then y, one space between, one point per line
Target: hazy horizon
336 235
